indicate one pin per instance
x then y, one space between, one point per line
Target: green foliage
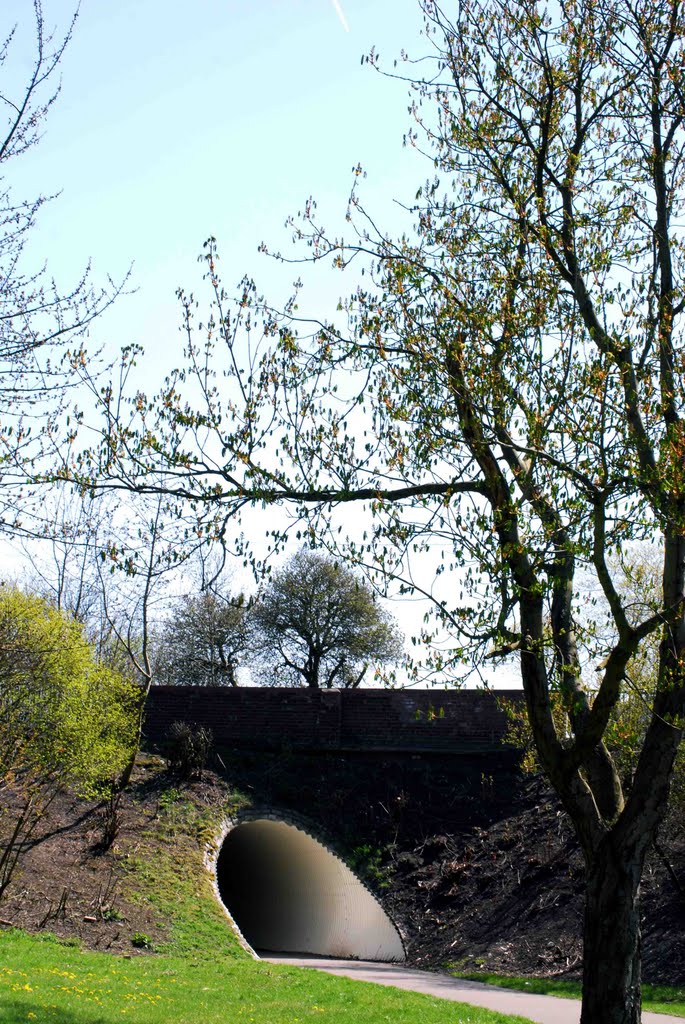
64 719
368 862
61 714
168 798
111 914
519 734
319 624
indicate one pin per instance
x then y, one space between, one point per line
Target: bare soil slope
508 897
67 885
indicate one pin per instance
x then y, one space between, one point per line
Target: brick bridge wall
250 718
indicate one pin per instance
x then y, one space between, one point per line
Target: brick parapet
250 718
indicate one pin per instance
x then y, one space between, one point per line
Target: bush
64 719
61 714
187 749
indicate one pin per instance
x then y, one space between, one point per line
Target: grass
45 981
657 998
171 879
198 973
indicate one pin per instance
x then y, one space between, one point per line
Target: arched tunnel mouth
288 893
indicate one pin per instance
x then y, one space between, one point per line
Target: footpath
541 1009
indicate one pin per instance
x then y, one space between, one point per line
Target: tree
64 719
320 626
42 326
638 574
510 386
142 547
202 641
63 566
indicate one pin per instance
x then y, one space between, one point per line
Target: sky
178 121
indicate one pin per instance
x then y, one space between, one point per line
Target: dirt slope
509 896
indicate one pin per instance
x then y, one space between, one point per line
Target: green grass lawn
658 998
45 981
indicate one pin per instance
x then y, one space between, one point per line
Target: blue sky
178 120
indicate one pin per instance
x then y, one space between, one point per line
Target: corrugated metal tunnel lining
287 893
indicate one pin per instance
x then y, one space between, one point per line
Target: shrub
187 749
64 719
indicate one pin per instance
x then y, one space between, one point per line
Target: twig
669 867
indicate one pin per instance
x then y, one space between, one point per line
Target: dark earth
475 861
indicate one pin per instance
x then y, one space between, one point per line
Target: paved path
541 1009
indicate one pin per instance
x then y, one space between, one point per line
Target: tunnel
287 893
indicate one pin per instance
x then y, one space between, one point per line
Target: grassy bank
658 998
45 981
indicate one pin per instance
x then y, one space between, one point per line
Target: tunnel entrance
288 894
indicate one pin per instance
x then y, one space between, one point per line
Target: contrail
341 15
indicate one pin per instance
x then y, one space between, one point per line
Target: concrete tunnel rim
302 824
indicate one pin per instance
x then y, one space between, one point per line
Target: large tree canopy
510 383
318 624
203 641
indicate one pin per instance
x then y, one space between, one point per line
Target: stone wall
251 718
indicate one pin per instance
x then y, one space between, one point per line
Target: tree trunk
611 956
